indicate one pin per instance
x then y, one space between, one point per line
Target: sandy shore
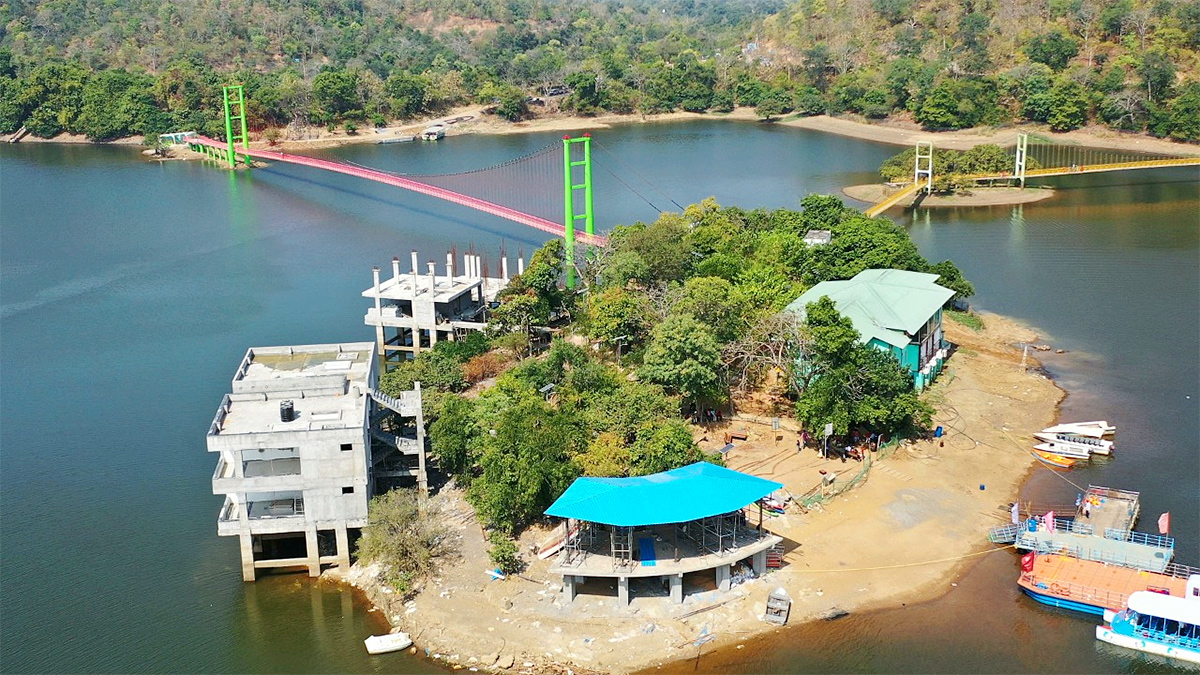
472 119
913 527
989 196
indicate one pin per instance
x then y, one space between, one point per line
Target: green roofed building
894 310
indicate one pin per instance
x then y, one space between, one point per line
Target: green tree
336 91
615 315
1055 49
1068 105
406 93
716 304
454 436
664 446
684 358
949 276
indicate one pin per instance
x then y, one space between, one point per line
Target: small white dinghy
392 642
1085 444
1096 429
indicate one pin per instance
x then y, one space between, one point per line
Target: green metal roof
888 305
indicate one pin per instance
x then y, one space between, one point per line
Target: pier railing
1091 595
1155 540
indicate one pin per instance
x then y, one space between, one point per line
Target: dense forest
109 68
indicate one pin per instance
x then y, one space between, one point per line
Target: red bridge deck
415 186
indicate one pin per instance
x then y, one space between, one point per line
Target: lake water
129 291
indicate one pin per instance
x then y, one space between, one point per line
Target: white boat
1098 446
1062 450
1158 624
1096 429
392 642
434 133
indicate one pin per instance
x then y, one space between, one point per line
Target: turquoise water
129 291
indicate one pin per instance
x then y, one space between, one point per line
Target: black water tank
287 412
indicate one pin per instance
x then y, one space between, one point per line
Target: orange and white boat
1054 460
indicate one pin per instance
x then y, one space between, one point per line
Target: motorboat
1081 444
434 133
1054 460
392 642
1096 429
1063 450
1158 624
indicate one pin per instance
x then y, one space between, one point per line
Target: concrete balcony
260 476
266 513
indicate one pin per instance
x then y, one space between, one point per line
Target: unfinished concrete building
413 311
302 439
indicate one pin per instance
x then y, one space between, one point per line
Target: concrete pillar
569 589
379 315
723 582
520 265
395 268
450 266
314 553
343 547
677 588
247 546
504 268
422 475
623 590
759 563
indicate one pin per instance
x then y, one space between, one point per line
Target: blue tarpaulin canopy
689 493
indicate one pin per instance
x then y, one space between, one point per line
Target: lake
129 290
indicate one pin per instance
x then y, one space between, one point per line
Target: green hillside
112 68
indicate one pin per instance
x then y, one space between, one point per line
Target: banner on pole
1164 523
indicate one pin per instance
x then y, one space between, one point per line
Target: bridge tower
235 122
1022 153
923 165
571 194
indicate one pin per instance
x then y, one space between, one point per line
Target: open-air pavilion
663 525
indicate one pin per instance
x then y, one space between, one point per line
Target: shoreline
925 501
891 131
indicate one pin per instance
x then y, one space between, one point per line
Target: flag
1164 523
1027 562
1048 520
1016 513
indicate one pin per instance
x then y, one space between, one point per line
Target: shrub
405 537
481 367
504 554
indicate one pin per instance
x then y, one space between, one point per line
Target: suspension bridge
1048 159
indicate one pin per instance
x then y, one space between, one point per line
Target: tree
684 358
405 537
849 384
949 276
663 447
1157 73
406 93
716 304
861 243
773 104
1055 49
336 92
454 436
1068 105
617 317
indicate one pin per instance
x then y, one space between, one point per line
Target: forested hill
111 68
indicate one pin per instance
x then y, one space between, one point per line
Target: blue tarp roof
689 493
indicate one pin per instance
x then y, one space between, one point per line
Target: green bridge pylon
570 193
235 122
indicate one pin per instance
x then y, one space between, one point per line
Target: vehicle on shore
1158 624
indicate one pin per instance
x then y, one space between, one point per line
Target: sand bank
872 547
987 196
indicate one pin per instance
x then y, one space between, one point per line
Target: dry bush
481 367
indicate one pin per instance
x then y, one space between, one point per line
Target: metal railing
1091 595
1155 540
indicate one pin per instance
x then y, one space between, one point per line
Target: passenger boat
1075 443
1070 452
1158 624
434 133
1090 586
1096 429
557 539
1053 459
392 642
